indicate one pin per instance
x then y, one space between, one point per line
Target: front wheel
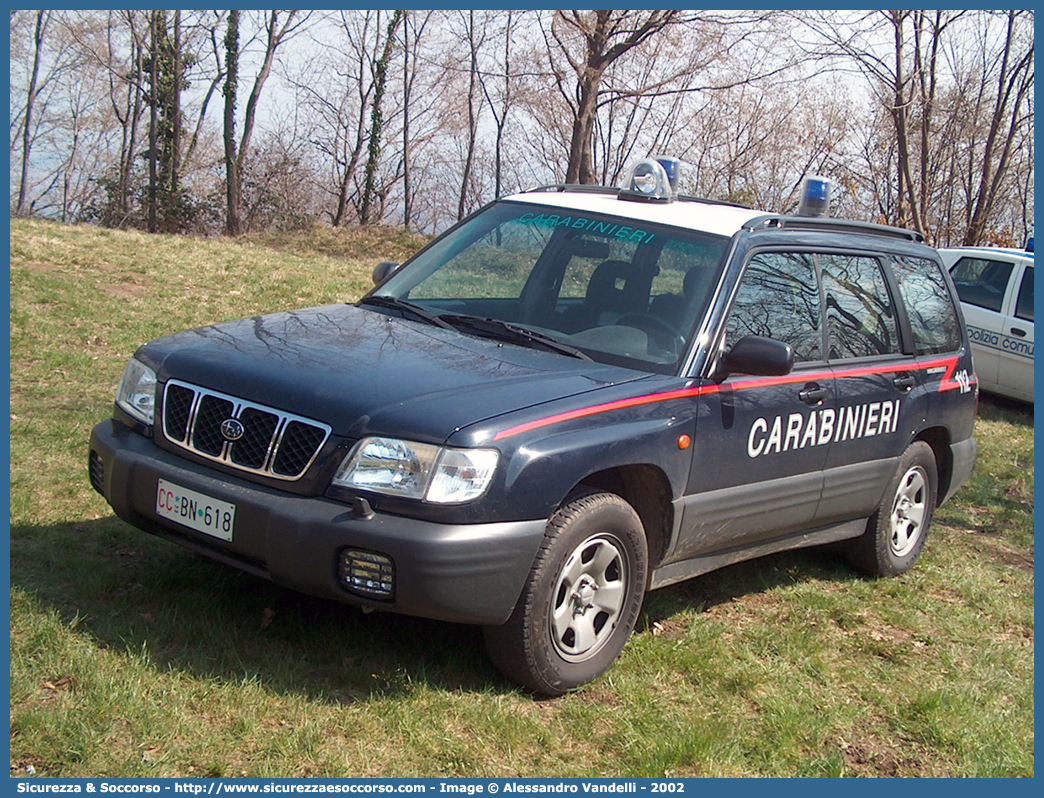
581 599
896 532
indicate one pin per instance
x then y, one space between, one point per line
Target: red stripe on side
620 404
947 384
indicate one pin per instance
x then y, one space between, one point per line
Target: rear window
1024 305
929 306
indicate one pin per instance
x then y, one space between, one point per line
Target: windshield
621 292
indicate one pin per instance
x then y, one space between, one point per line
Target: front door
758 459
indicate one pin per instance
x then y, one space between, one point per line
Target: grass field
133 657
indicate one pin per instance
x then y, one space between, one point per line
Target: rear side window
1024 305
778 298
981 282
860 317
933 317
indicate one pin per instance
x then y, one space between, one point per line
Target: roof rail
573 187
774 222
591 189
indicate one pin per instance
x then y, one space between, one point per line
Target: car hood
367 373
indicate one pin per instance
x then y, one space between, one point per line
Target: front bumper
467 573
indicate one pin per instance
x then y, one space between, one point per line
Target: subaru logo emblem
232 429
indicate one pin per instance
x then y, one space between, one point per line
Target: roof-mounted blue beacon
651 180
815 196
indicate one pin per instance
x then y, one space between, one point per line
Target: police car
574 396
995 286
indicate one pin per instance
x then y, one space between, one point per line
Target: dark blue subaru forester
574 396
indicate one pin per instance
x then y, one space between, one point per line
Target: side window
929 306
1024 304
981 282
859 313
778 297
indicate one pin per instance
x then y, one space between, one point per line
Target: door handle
813 394
1018 332
904 382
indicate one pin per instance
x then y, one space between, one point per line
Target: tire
896 532
581 599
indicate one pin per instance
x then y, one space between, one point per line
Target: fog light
368 574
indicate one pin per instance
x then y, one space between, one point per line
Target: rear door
1015 359
882 392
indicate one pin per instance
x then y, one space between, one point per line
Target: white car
996 290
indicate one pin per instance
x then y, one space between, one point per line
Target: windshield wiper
502 331
406 308
485 328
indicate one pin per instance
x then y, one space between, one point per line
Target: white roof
987 251
722 220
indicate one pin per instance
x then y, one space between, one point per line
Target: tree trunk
1014 79
153 120
580 168
469 157
231 161
175 155
42 18
407 90
377 121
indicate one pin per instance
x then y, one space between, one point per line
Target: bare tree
336 91
41 23
500 102
154 58
482 102
276 32
410 70
116 45
474 39
370 191
954 120
1011 112
604 37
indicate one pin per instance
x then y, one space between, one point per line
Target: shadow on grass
131 592
1000 408
757 576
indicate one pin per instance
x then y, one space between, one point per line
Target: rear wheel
896 532
581 600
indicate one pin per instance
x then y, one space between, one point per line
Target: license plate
195 510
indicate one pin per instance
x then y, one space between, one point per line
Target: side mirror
759 356
383 270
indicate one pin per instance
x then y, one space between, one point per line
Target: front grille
272 443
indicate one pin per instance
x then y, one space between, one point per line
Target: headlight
136 393
462 475
418 470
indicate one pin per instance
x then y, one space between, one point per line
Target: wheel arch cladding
647 489
939 441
